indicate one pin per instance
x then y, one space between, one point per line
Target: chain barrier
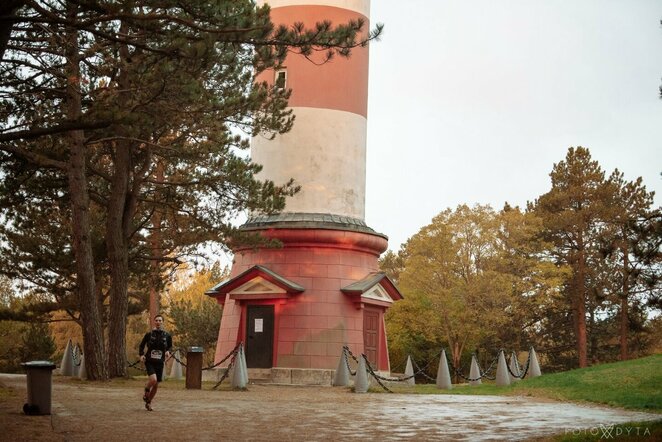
422 371
232 354
135 365
172 356
75 355
347 351
375 375
526 370
482 375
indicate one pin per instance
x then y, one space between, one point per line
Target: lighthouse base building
295 307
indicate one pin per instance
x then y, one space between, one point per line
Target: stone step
260 376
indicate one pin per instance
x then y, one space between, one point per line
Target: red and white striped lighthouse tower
296 306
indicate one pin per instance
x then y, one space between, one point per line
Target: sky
474 101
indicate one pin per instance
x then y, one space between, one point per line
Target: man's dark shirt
158 342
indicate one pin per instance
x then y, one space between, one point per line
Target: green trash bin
40 385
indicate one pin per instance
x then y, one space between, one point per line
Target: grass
634 384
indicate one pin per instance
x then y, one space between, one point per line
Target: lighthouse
295 307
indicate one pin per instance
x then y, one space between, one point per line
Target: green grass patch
634 384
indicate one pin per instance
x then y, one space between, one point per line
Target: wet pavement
84 411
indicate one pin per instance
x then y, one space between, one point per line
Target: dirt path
85 411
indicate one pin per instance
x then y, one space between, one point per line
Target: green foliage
473 278
21 341
196 318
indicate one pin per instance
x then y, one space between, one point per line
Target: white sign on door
259 325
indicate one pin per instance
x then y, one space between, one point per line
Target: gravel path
84 411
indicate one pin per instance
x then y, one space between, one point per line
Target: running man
159 347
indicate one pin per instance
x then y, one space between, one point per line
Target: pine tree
573 212
100 92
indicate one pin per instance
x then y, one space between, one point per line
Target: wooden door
259 336
371 336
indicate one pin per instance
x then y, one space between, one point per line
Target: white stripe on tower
326 150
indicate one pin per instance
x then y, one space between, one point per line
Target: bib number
156 354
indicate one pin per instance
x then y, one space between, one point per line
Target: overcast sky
474 101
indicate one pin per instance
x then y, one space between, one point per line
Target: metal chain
75 356
172 355
345 350
526 370
482 375
135 365
374 375
422 371
234 350
234 354
349 352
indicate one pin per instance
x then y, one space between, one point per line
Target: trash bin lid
39 364
196 350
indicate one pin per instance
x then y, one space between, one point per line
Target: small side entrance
371 335
259 336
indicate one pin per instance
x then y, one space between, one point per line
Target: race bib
156 354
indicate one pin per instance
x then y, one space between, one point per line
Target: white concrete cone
443 374
514 367
474 372
244 366
238 377
409 371
534 367
502 375
341 377
361 378
67 364
176 371
82 371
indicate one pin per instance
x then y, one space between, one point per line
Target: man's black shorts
156 368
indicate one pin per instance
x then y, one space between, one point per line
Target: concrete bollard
361 378
474 372
244 366
82 371
514 367
443 374
176 370
67 364
341 377
534 367
238 377
409 372
502 375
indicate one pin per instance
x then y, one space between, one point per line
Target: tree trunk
117 234
157 254
624 323
93 342
580 308
118 261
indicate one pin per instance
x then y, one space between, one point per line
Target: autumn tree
196 318
452 291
